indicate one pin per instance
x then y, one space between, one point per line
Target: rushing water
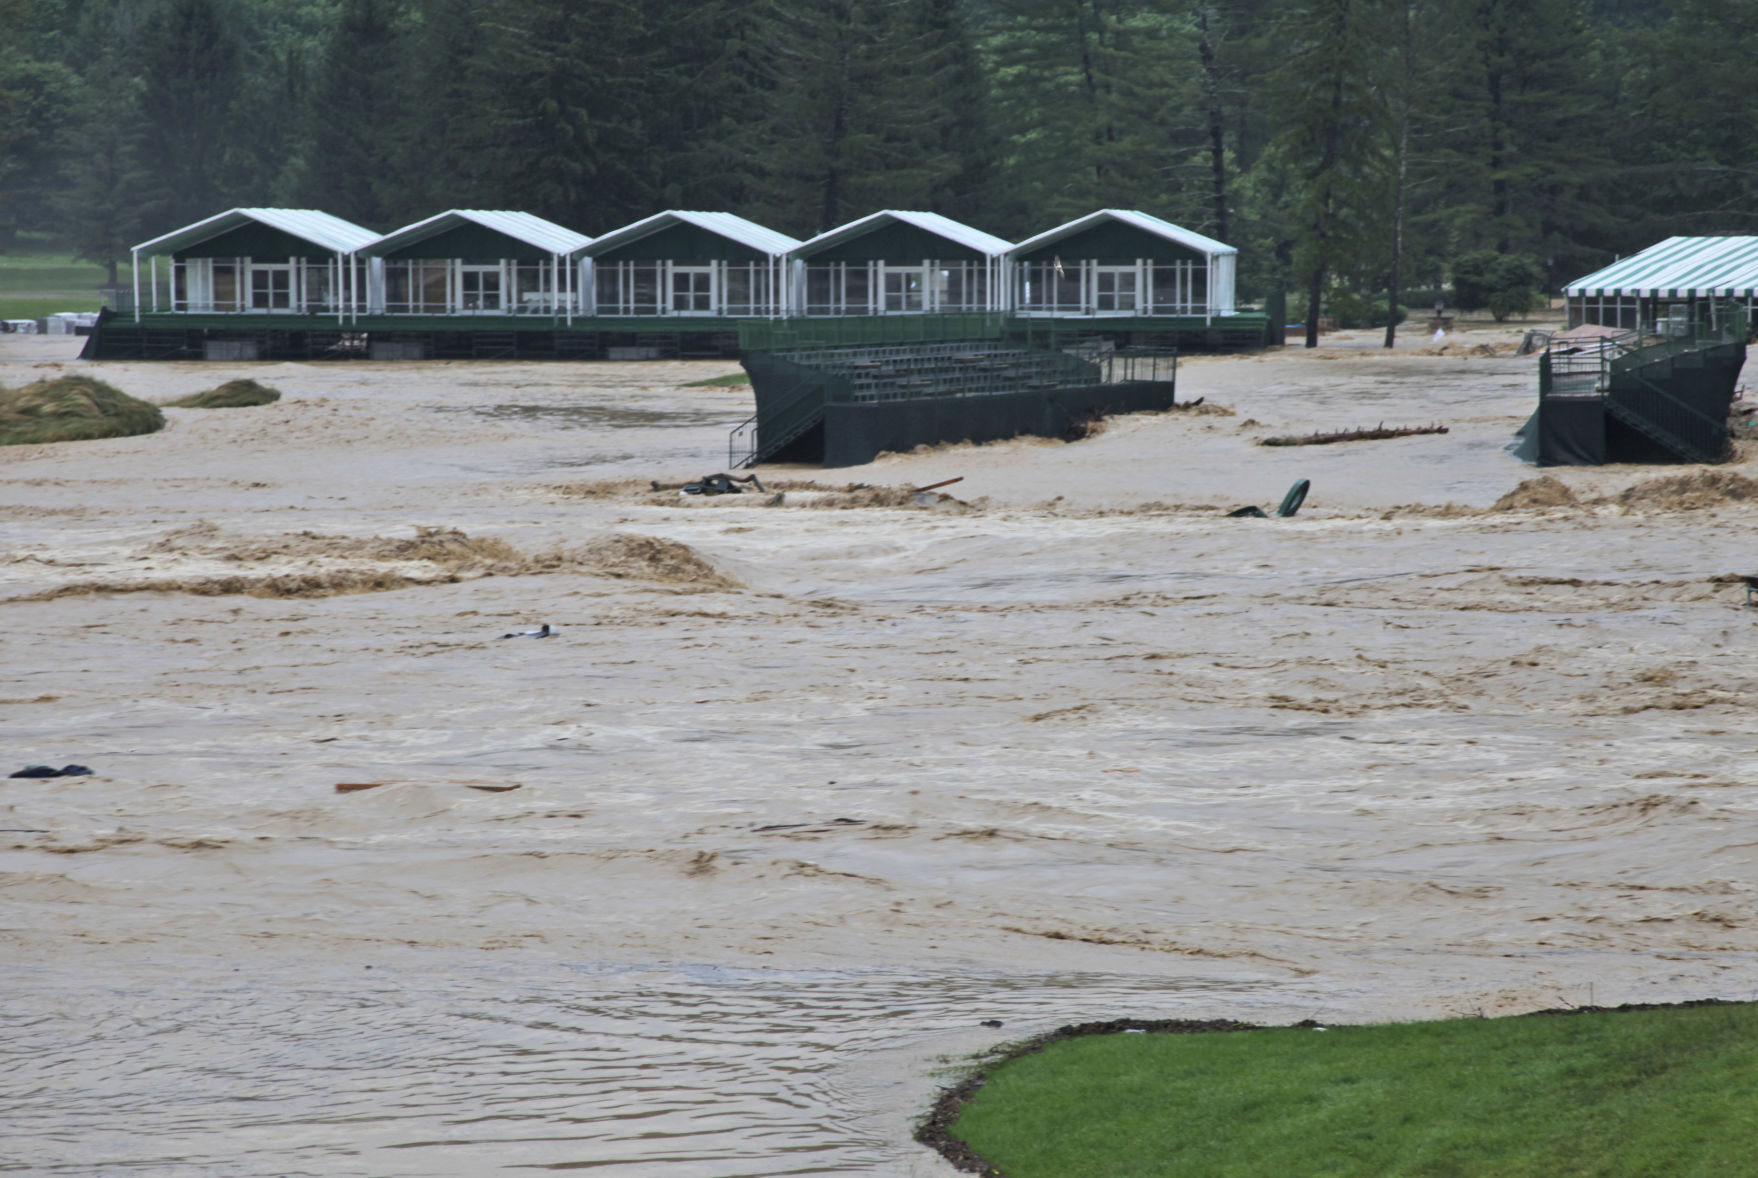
428 1065
724 881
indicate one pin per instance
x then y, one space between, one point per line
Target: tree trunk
1315 298
1321 228
1409 86
1212 99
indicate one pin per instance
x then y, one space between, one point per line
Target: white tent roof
526 227
1143 221
728 225
986 244
1679 267
319 228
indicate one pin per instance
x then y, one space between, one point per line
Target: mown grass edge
935 1128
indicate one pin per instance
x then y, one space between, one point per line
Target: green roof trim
470 240
254 240
894 242
681 242
1114 243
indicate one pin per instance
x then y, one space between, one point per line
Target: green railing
787 335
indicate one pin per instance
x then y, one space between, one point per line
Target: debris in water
51 771
721 484
1290 504
1353 435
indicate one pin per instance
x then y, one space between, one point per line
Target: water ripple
329 1069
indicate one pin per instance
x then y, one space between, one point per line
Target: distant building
258 262
689 264
1677 281
900 263
300 284
1124 264
477 262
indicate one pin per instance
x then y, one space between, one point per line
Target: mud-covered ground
808 788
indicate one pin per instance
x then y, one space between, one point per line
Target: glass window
819 281
1171 288
857 289
396 286
316 284
607 289
740 288
949 287
271 288
431 293
692 290
1114 288
481 288
903 289
643 291
531 287
224 295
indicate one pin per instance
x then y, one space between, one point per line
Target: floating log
1354 435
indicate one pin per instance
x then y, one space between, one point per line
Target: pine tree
556 121
97 209
852 112
190 69
1333 118
355 115
36 93
1098 104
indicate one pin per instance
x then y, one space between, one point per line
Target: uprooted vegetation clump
1692 491
234 394
309 564
777 492
1536 495
650 558
1688 492
73 408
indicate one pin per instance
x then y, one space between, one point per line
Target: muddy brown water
788 830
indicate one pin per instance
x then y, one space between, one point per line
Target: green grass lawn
1669 1093
33 285
729 381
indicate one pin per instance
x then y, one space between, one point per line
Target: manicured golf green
33 285
1663 1093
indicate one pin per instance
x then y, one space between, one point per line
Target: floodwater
808 791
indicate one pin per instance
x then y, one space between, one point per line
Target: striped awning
1679 267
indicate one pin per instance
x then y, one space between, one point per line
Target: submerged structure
1646 394
832 398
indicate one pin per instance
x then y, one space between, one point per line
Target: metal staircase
1656 414
1639 385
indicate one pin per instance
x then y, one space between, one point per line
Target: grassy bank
1658 1092
33 285
731 380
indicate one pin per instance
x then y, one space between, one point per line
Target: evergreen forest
1342 145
